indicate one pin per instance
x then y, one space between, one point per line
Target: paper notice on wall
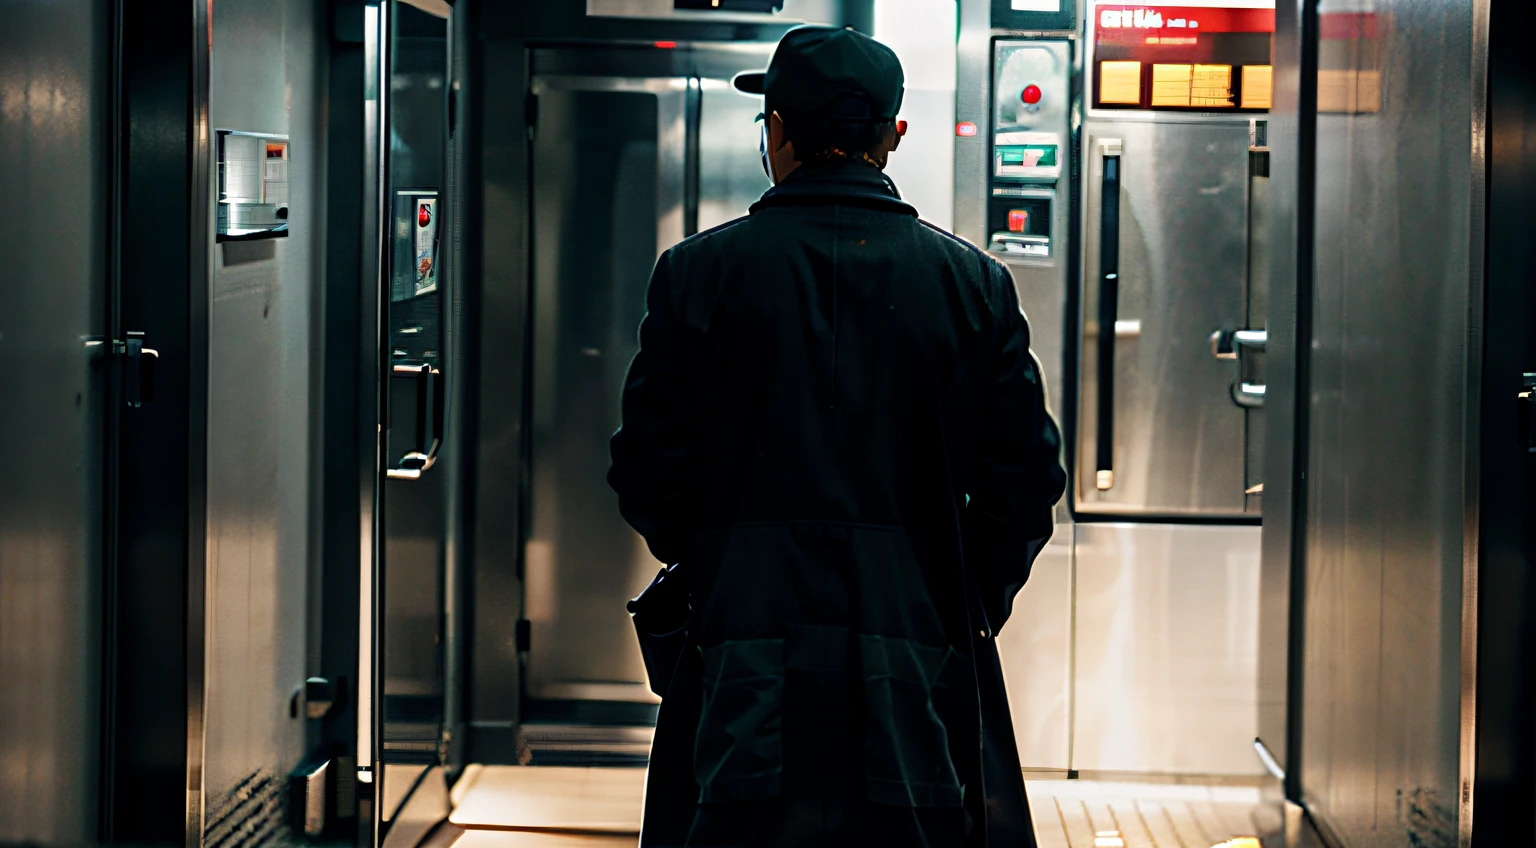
1258 86
1120 82
1170 84
1211 85
426 245
1037 5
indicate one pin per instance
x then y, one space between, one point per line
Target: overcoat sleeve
1018 476
650 451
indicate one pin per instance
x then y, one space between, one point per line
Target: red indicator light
1031 94
965 129
1018 220
901 128
666 45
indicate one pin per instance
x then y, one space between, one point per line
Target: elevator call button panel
1031 96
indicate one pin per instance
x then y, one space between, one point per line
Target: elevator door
608 192
1161 421
55 300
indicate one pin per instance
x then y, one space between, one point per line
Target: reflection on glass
253 185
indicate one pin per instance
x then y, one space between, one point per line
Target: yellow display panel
1120 83
1258 86
1170 84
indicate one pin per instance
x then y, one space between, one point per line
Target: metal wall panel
973 104
496 267
1166 648
1391 356
56 106
1036 650
265 78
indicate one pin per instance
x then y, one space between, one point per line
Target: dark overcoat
836 426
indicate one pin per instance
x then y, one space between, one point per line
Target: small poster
413 253
425 253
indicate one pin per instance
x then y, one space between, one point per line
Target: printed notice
1170 84
1037 5
426 245
1120 83
1211 86
1258 86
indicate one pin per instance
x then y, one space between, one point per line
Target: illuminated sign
1138 18
1237 17
1184 54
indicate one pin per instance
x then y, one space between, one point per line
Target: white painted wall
922 32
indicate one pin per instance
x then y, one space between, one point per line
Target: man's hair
846 128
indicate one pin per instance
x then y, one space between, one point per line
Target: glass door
409 728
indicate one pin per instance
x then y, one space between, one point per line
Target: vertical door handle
1229 344
138 369
1109 310
430 409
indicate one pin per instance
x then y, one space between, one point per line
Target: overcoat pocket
906 751
739 750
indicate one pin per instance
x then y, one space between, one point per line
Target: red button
1031 94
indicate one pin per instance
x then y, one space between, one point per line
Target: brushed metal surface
1393 349
593 182
54 150
1036 650
973 104
1166 648
1179 438
264 78
731 176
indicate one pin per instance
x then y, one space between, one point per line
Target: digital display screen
1204 55
1028 155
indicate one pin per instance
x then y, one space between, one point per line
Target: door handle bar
1109 308
431 409
1230 344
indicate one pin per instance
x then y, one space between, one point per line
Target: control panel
1031 91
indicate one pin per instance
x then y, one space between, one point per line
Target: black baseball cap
826 70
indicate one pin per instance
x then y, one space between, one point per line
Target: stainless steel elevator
1115 160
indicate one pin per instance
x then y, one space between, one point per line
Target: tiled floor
1089 813
534 807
